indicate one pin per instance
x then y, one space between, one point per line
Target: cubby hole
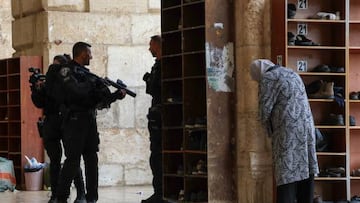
174 186
19 176
355 112
355 187
14 145
354 149
3 129
14 82
196 164
16 158
4 114
14 113
315 6
172 116
330 161
171 20
315 57
196 139
14 129
14 66
172 67
3 68
196 189
173 139
195 102
328 114
194 15
170 3
3 98
194 65
331 190
171 43
191 45
354 35
323 34
172 91
3 83
334 140
354 10
14 97
174 164
354 71
4 142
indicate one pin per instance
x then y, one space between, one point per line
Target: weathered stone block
129 63
66 5
94 28
29 30
21 8
113 6
135 175
154 4
111 174
143 27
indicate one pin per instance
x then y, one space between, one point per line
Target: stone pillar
5 29
119 32
254 165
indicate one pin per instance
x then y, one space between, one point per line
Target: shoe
325 92
314 86
322 68
291 11
52 200
335 119
356 173
81 200
200 122
301 40
354 95
352 121
291 39
337 69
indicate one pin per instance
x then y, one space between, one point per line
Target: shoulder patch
64 71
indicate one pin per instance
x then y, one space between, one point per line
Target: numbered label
302 4
279 60
302 29
302 66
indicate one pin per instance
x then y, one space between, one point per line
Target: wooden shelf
315 21
331 153
316 47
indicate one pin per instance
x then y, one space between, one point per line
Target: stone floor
128 194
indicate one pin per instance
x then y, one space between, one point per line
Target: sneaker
301 40
354 95
325 92
291 39
322 68
352 121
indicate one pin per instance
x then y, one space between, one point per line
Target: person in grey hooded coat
285 113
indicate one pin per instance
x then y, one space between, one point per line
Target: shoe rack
336 43
18 116
196 137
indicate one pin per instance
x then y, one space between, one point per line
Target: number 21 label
301 66
302 29
302 4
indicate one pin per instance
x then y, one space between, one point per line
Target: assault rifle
108 82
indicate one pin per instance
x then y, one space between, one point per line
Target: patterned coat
285 110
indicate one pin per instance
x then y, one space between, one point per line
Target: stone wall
119 32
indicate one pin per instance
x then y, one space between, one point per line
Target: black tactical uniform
153 87
79 95
52 134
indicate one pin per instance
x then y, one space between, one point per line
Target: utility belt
74 111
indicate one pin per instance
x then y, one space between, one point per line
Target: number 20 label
301 66
302 4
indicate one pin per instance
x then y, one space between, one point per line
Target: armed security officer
52 132
153 87
79 95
